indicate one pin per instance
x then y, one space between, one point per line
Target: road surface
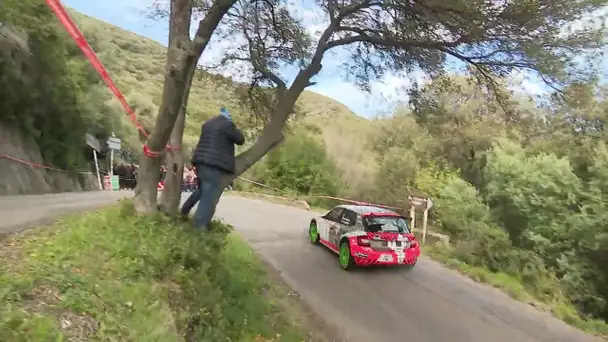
427 304
18 212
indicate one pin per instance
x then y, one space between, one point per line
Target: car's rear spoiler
374 214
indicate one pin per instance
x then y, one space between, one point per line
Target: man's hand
237 136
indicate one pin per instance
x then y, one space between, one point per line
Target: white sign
114 143
93 142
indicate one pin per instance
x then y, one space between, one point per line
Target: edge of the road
49 220
328 332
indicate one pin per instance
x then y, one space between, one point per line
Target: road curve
427 304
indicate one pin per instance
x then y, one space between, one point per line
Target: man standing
213 157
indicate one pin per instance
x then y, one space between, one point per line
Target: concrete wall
21 179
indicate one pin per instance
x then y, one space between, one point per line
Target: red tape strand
27 162
40 166
149 153
78 37
321 196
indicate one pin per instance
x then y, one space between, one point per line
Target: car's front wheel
313 233
347 261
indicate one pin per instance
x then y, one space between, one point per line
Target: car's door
343 225
346 223
328 221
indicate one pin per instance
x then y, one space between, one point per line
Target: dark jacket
216 145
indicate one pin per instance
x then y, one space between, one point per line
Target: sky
385 94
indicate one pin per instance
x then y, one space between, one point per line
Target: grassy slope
109 275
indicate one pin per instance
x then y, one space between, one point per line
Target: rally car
365 235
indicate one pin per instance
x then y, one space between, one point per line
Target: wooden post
413 218
420 203
97 169
425 217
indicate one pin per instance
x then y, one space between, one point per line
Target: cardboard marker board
420 203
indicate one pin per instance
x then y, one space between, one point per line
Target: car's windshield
386 224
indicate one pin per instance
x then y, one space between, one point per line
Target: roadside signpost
95 146
114 143
111 181
420 203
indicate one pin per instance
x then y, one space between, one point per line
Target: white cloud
385 94
595 20
526 83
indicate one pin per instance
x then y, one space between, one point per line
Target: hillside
137 63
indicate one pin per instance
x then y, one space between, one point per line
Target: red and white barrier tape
346 200
322 196
78 37
39 166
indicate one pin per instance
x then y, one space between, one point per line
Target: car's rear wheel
346 259
313 233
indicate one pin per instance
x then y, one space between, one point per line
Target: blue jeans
209 191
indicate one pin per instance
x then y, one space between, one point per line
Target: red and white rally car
365 235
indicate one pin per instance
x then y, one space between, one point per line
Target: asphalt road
19 212
427 304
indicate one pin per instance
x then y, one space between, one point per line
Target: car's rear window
385 224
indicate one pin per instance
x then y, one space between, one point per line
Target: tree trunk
145 191
174 160
173 92
171 194
180 56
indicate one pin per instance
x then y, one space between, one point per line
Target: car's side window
349 218
335 214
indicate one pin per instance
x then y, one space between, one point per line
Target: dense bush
47 88
300 166
534 208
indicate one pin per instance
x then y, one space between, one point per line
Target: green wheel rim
344 254
313 234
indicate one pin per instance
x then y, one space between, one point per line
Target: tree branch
354 8
207 26
180 18
259 65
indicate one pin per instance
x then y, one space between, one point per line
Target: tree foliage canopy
492 38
